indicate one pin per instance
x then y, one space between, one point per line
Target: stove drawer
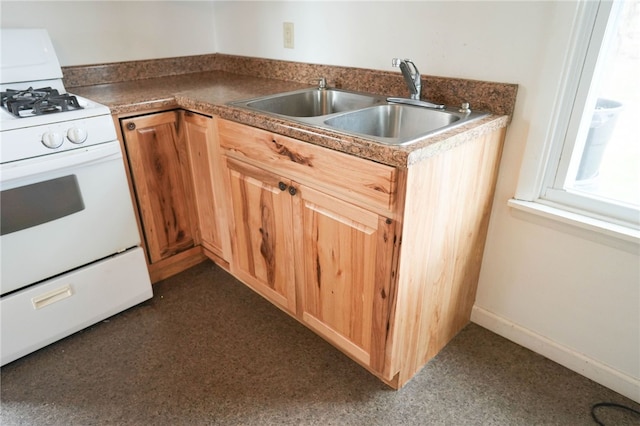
44 313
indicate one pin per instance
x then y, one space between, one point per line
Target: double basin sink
361 114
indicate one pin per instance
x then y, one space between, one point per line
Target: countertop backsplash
498 98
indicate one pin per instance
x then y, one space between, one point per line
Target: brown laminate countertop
208 93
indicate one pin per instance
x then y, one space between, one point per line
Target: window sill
597 230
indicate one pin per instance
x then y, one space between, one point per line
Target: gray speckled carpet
207 350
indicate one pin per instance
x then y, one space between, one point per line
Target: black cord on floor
609 404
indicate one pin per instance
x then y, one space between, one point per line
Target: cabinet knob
282 186
292 190
131 126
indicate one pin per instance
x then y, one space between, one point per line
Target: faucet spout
411 76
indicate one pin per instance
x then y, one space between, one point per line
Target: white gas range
69 245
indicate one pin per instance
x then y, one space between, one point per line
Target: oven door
62 211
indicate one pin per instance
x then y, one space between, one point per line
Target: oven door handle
64 160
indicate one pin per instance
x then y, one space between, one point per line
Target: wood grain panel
207 180
161 175
446 218
175 264
262 247
360 181
341 246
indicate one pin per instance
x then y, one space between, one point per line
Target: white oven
70 251
63 212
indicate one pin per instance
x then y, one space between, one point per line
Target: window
593 163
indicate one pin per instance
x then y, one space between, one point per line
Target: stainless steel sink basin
392 121
312 102
399 124
360 114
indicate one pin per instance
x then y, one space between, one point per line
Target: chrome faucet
411 76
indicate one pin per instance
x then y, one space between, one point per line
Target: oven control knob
77 135
52 139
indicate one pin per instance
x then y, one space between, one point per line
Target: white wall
542 284
94 32
441 37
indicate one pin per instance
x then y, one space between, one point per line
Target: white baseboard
567 357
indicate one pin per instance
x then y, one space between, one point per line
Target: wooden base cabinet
161 178
382 262
285 229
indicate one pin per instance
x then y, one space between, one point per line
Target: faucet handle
411 76
322 82
408 64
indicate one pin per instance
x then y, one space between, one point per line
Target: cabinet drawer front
351 178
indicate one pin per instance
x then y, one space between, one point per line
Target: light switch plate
287 32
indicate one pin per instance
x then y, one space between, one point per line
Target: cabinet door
346 256
160 172
207 179
262 237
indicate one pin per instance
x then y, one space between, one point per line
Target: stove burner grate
37 101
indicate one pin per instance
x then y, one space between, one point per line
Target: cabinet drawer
351 178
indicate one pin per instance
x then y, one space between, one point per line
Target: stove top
29 102
31 86
46 120
28 109
39 120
